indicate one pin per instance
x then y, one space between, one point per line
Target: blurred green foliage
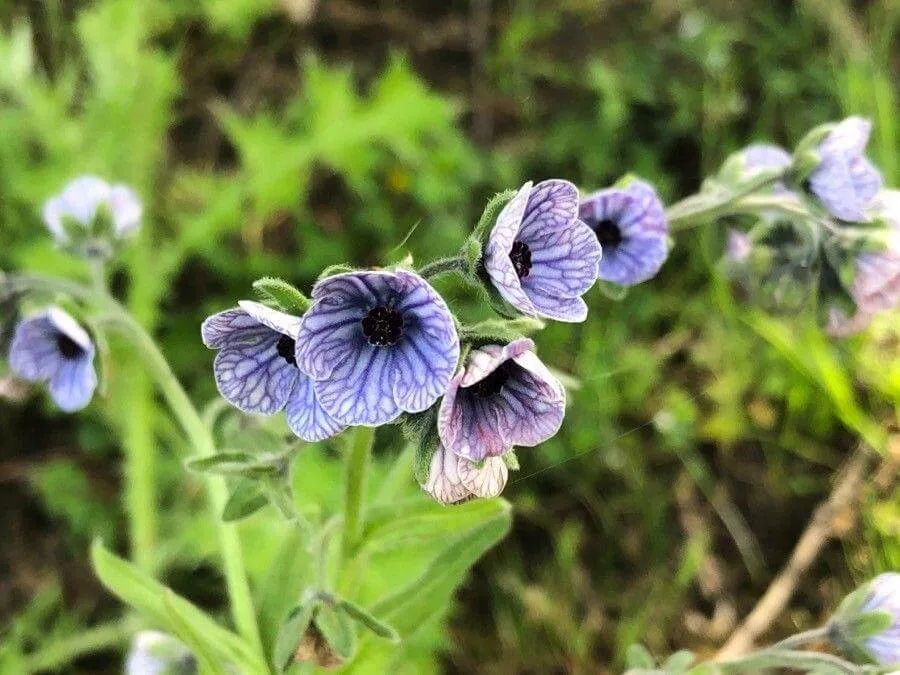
277 139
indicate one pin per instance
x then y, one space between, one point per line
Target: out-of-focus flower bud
867 624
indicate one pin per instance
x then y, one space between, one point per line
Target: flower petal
126 209
485 360
552 205
563 261
34 354
305 416
487 480
73 383
65 324
497 262
219 329
250 373
444 482
634 260
360 389
286 324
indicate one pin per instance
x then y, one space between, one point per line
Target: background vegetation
277 138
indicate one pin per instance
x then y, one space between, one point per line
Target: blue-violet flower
762 156
52 347
884 596
539 256
845 182
255 369
80 200
630 224
502 397
377 344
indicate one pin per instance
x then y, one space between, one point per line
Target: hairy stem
183 409
784 658
701 208
801 639
359 451
443 266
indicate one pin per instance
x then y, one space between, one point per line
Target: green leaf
196 641
337 630
705 669
246 499
235 464
289 571
291 632
869 624
612 291
284 295
678 662
148 596
637 656
413 605
366 619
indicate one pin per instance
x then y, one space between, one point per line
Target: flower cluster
373 347
830 229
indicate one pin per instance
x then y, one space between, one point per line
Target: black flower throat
383 326
520 255
608 233
493 384
285 349
67 346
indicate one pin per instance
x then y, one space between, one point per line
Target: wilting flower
255 369
154 653
377 344
884 596
80 201
539 256
52 347
631 226
845 182
453 479
502 397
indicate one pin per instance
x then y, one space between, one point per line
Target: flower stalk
359 454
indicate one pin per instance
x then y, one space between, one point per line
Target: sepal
283 295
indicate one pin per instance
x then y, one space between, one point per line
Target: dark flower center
493 383
383 326
285 349
608 234
521 258
67 346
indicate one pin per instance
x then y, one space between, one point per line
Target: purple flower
80 200
377 344
884 596
52 347
631 226
501 398
739 247
876 284
539 256
453 479
845 181
255 369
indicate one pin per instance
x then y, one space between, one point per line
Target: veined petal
487 480
305 416
73 383
34 354
485 360
219 329
444 482
634 260
285 324
360 390
552 205
497 262
252 375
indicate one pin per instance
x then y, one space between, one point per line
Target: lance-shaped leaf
149 597
236 464
292 630
366 619
246 498
337 630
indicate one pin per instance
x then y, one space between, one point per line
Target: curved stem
700 208
359 452
443 266
801 639
184 411
777 658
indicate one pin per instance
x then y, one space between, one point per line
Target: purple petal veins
453 479
376 344
256 369
51 347
539 256
501 398
631 226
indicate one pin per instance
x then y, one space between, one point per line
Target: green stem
359 451
140 469
62 652
777 658
197 432
443 266
801 639
701 208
